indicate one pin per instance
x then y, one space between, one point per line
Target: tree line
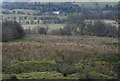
67 7
76 25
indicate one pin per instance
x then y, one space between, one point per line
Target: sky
60 0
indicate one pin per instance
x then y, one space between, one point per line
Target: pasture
93 5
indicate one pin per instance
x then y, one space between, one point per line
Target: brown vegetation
84 51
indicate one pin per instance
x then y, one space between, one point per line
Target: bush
31 66
11 30
100 28
94 75
40 75
38 30
66 31
66 69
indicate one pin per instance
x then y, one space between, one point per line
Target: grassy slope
38 75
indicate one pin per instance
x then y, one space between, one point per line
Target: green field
50 26
19 15
24 41
93 4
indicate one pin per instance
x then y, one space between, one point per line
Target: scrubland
61 57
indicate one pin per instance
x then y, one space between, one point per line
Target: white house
56 12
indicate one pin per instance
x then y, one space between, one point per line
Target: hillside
68 40
68 56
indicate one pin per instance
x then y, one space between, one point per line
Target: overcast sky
61 0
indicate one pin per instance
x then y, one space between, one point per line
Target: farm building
56 12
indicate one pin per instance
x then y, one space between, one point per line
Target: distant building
56 12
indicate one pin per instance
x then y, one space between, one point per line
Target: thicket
77 25
11 30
